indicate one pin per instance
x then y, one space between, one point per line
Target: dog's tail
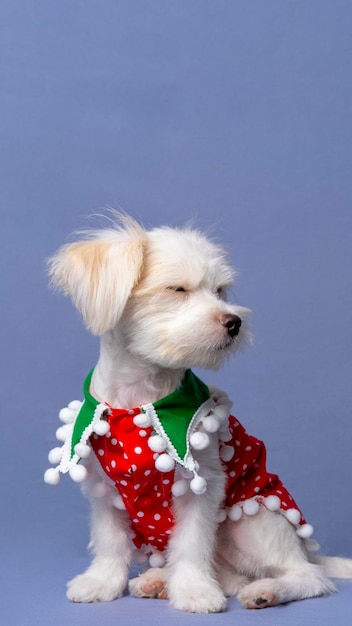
335 566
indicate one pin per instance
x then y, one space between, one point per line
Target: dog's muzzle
232 323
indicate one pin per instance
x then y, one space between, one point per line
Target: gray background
237 113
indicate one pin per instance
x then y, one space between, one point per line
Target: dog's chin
205 356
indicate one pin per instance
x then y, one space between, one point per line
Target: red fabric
126 458
247 476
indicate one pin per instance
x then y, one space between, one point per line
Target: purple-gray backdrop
238 113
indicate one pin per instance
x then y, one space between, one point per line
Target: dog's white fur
157 299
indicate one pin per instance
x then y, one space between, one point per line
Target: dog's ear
100 273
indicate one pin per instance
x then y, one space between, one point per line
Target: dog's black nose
232 323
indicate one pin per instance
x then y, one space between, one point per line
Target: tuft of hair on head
100 270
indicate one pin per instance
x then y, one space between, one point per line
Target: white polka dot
232 474
238 443
151 527
165 503
133 468
113 463
257 489
248 448
123 483
101 452
114 441
130 412
125 456
245 466
140 514
143 433
157 516
107 468
95 436
138 450
166 482
136 487
257 478
147 472
151 538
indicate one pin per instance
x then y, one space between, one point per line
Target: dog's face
164 291
177 315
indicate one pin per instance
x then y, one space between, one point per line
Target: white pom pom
55 455
293 516
138 556
142 420
198 485
157 560
225 435
82 450
51 476
227 453
78 473
221 411
221 516
63 432
99 490
305 531
164 463
211 423
67 416
235 513
118 502
199 440
101 427
250 507
273 503
157 443
75 405
180 487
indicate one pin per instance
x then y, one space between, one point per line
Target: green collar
182 403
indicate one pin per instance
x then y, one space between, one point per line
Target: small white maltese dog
172 477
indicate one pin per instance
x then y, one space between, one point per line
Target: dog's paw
150 584
89 588
198 597
258 595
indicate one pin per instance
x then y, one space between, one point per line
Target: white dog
170 469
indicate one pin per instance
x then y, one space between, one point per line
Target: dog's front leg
191 581
106 577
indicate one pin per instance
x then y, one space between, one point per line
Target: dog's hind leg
266 549
106 577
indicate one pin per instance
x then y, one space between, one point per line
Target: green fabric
85 414
175 411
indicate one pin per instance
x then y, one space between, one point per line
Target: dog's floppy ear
99 273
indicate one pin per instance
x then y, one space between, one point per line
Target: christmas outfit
146 452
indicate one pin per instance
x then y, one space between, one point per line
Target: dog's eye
180 289
221 293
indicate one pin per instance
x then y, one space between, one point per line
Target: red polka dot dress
139 450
